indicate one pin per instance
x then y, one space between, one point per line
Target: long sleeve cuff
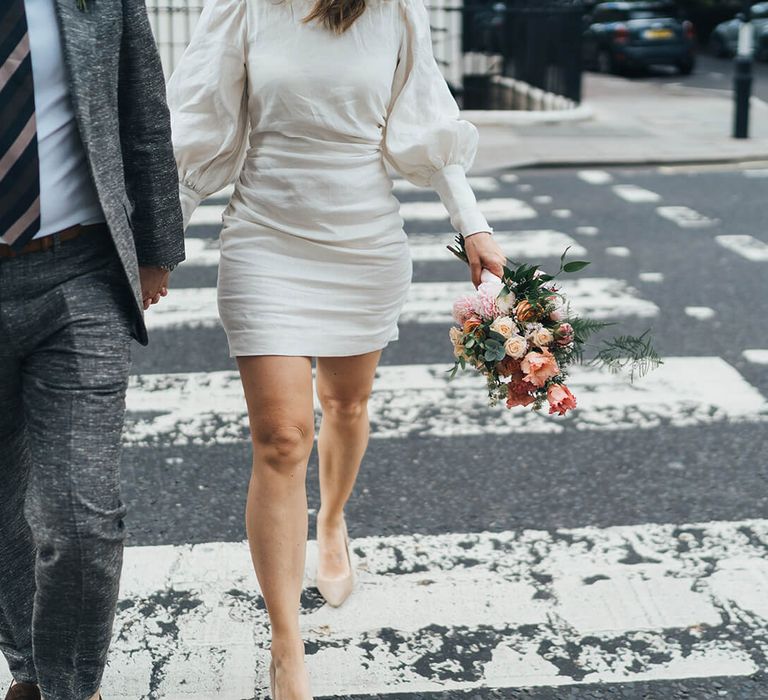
189 202
457 196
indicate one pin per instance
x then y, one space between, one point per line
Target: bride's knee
344 409
283 445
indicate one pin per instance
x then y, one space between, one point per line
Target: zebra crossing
472 608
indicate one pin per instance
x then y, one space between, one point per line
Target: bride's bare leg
278 391
343 387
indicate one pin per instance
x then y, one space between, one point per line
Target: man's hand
484 254
154 284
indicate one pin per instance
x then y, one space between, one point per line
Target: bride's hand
484 253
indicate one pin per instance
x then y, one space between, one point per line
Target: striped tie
19 164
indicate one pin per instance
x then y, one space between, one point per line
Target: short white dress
314 259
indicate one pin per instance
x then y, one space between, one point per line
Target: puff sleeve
425 139
207 95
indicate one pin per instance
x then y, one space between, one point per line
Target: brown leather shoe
23 691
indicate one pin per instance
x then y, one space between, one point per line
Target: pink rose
539 367
564 334
463 309
560 399
556 315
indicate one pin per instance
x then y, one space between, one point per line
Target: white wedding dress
314 260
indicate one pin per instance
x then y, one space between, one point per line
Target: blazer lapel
78 39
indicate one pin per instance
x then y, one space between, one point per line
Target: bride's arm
428 143
207 96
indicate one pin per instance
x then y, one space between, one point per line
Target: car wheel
605 63
686 67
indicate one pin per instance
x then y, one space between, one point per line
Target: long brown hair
337 15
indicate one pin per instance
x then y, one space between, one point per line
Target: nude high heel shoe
337 590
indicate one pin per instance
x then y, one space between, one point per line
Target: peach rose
503 325
539 367
560 399
516 346
541 337
470 324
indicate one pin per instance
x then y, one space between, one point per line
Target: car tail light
690 30
621 34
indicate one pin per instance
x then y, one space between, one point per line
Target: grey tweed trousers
65 320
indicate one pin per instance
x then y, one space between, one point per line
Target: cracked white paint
748 247
428 302
685 217
529 245
562 213
587 230
595 177
654 277
457 611
208 407
635 194
618 251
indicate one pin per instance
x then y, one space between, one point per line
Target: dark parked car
624 36
725 38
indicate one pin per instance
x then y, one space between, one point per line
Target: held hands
483 253
154 284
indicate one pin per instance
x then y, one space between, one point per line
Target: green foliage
635 352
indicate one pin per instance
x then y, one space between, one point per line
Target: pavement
631 121
617 553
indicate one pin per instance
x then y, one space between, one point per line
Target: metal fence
537 42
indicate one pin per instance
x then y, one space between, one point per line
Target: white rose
504 325
456 335
516 346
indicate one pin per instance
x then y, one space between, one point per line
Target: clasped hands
154 284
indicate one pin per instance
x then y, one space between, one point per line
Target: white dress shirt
67 193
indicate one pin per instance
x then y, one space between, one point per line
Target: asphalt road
697 462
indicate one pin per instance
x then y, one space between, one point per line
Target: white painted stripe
635 194
757 356
700 313
685 217
409 400
428 302
595 177
525 187
517 245
458 611
756 173
500 209
748 247
478 184
651 277
587 230
618 251
509 178
543 199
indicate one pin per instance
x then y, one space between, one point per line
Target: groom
90 227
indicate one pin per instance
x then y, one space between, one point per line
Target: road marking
635 194
428 302
500 209
756 356
525 187
756 172
651 277
618 251
685 217
587 230
700 313
562 213
748 247
460 611
595 177
509 178
201 408
478 184
543 199
529 245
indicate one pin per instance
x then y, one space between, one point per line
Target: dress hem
315 352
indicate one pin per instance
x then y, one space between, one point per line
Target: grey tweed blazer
118 91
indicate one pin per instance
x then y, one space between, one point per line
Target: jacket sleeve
426 140
145 136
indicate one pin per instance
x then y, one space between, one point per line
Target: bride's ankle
330 521
287 650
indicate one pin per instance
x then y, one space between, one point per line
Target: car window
760 11
610 15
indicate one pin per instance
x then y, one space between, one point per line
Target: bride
301 103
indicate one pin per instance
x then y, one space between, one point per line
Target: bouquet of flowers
519 333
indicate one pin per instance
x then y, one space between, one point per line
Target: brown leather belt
47 242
